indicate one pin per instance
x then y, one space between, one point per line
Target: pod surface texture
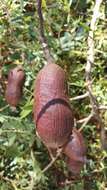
52 113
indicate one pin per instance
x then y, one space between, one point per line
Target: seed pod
52 113
75 150
16 79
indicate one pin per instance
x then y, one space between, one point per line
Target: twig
6 117
8 180
83 120
3 108
86 120
80 97
102 107
43 40
13 130
53 160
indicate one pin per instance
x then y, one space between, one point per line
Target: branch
53 160
85 121
88 68
90 56
103 107
43 40
80 97
90 60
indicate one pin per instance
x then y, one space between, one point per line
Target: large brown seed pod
16 79
52 113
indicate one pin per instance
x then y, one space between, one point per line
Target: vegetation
67 25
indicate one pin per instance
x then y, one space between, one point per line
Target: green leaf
27 109
11 140
2 119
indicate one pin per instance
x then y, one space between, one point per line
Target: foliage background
22 155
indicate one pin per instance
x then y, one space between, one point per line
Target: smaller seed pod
75 151
16 79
